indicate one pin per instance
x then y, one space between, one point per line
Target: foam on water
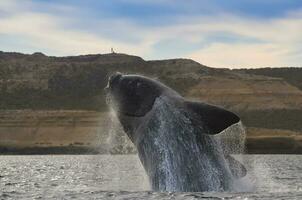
262 175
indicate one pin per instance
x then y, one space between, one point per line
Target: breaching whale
174 136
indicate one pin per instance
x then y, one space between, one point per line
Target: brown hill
293 75
38 82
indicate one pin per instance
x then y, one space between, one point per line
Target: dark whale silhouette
173 136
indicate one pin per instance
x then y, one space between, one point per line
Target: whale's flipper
237 169
214 118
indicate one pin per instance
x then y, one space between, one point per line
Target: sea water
123 177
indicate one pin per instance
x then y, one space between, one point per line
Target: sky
216 33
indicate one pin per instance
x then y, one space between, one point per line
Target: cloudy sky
217 33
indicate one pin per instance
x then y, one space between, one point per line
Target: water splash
186 160
117 141
259 172
232 141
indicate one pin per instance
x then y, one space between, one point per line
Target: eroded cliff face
62 131
59 101
247 93
26 128
90 132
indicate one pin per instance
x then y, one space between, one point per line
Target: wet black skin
133 99
134 94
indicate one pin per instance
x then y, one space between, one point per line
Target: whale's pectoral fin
214 118
238 170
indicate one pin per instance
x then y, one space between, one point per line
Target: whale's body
176 156
174 137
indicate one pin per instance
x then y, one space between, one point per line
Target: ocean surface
122 177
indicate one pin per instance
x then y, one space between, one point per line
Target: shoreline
254 145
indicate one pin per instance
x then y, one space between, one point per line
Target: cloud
222 40
275 42
239 55
48 32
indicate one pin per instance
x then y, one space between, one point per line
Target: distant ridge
36 81
292 75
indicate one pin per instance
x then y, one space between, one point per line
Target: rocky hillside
265 99
40 82
291 75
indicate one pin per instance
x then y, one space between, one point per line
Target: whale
174 137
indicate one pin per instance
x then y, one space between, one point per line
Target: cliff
62 97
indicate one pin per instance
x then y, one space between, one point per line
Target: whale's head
132 95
